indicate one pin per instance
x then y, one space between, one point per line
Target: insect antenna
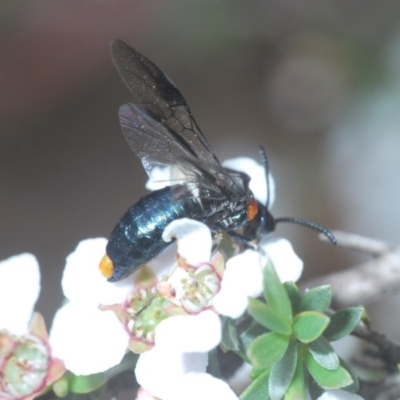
297 221
264 161
310 225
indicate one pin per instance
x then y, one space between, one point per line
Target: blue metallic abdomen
137 237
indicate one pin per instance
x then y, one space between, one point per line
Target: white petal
82 280
201 386
256 172
87 339
287 264
242 278
159 178
163 265
19 291
158 370
339 395
194 240
189 333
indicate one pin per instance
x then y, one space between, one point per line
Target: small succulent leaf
328 379
324 354
294 295
343 323
355 386
297 389
86 383
213 367
256 372
230 340
275 293
366 319
128 362
267 316
314 390
309 325
317 299
282 372
60 387
258 389
267 349
248 336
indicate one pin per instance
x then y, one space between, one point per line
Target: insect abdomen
137 237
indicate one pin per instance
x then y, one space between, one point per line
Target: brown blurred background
317 82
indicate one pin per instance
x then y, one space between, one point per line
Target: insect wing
152 141
159 99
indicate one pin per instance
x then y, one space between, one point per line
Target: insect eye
252 209
106 266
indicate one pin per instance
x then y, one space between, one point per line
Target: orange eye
252 209
106 266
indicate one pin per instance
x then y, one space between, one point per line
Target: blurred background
317 82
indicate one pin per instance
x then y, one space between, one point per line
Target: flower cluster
168 311
27 364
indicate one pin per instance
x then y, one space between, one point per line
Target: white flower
159 370
339 395
175 367
82 282
243 277
27 364
86 338
258 181
194 240
200 386
189 333
166 176
19 291
159 178
287 264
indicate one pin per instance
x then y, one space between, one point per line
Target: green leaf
91 383
309 325
324 354
314 390
213 367
328 379
294 295
127 363
60 387
258 389
282 372
247 337
343 322
86 383
256 372
269 317
317 299
275 293
353 387
267 349
297 389
230 340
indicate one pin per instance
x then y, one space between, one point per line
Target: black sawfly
160 129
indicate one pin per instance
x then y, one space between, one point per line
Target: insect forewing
162 132
158 98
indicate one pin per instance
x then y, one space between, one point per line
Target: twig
389 351
386 389
367 282
359 243
364 284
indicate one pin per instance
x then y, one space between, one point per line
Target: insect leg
248 244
